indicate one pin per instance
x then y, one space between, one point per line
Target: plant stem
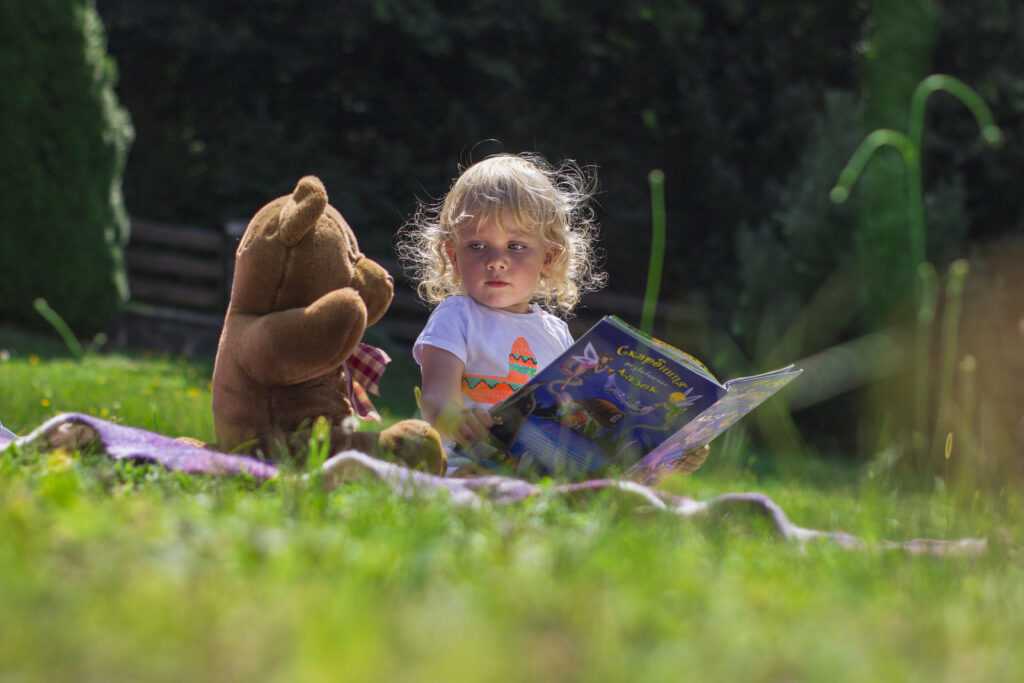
656 179
950 332
51 316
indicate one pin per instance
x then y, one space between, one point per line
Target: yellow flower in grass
58 460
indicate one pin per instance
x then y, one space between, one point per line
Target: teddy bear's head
296 249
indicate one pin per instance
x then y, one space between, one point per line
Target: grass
118 572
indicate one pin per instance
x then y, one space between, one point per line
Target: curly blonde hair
554 201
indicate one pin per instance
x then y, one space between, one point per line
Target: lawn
124 572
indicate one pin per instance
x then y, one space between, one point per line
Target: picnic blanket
75 431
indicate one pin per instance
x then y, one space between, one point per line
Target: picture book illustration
617 400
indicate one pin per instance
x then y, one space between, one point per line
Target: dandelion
59 460
350 424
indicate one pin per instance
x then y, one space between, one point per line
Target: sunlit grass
135 573
120 572
169 395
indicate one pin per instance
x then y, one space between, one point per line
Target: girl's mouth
496 283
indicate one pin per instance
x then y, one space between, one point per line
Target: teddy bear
291 347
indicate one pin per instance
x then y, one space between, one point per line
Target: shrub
64 140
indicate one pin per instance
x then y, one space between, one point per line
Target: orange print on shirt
522 365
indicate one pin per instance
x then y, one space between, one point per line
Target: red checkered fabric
363 370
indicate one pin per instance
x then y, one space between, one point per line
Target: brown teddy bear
290 350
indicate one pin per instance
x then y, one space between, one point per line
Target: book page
742 396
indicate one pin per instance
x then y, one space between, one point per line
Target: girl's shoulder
556 327
454 303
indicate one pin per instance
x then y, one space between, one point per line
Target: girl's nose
497 263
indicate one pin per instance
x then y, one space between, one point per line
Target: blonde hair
554 201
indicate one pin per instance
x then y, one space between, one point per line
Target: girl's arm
441 399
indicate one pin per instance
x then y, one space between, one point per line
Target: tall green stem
51 316
958 271
928 287
910 147
656 178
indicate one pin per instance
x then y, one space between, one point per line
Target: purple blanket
76 431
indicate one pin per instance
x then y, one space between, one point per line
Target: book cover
617 400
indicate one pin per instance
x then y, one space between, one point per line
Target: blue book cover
617 401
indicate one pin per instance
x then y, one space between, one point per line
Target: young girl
510 245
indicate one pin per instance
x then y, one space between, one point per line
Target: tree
64 140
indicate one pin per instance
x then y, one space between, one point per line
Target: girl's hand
470 425
692 460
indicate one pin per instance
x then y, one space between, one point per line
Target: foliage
723 97
980 43
899 45
789 255
910 148
64 140
155 391
814 275
383 99
749 109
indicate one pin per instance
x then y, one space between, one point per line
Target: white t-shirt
501 350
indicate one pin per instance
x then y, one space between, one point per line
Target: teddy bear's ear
302 210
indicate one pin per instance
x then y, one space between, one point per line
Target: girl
510 245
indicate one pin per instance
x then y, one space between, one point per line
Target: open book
617 401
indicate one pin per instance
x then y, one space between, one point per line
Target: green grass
115 572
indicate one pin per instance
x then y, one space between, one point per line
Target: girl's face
499 267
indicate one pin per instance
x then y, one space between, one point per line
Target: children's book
617 401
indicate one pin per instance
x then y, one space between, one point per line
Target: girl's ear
549 259
449 250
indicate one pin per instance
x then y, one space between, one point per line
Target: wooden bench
180 280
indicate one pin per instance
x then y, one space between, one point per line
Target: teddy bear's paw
70 436
415 443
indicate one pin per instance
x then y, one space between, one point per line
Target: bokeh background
197 113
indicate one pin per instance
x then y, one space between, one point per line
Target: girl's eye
516 246
475 246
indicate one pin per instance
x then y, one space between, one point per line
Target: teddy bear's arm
298 344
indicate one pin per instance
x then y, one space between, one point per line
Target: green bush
982 44
384 98
64 140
